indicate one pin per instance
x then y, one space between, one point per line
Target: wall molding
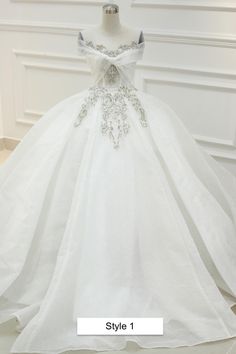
37 114
26 116
179 4
187 5
227 143
64 2
40 27
2 144
193 38
221 148
197 77
63 68
225 75
208 78
220 85
49 55
7 143
218 147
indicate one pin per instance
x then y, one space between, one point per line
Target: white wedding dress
110 208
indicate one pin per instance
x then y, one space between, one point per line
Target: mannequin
111 33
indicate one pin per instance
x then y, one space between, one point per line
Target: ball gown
110 208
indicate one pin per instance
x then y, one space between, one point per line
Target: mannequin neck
111 22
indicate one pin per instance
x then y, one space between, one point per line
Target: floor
8 334
4 155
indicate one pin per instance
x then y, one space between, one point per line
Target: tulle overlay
145 230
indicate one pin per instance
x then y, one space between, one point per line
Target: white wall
189 61
1 120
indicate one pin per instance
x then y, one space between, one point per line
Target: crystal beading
110 52
112 75
114 107
114 110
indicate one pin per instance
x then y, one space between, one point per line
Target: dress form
111 32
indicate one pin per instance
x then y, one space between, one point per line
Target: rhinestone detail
112 75
114 110
110 52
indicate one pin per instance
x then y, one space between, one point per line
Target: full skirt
145 230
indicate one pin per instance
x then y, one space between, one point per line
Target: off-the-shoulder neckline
112 52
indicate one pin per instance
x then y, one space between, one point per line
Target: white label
120 326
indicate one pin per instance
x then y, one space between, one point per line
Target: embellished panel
114 110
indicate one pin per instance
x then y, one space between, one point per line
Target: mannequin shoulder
133 33
130 33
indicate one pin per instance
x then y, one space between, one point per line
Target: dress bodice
113 72
111 68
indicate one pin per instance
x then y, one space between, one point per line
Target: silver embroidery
114 119
111 52
111 76
114 110
114 107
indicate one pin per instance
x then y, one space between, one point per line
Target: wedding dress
110 208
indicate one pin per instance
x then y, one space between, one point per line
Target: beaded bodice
112 67
113 72
110 52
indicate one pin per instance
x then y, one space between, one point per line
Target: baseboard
7 143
